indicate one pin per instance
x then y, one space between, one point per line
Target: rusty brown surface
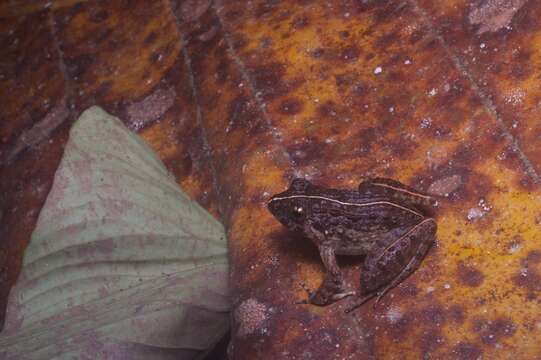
125 57
239 97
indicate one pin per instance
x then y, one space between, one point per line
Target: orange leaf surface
239 98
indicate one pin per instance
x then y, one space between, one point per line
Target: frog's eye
298 210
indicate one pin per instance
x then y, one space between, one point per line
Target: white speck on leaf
251 314
426 122
475 213
514 97
394 314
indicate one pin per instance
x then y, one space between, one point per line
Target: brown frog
388 222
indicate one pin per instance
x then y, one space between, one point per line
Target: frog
389 223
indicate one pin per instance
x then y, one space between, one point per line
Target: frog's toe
308 291
340 296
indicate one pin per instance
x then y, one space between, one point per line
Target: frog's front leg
386 269
332 287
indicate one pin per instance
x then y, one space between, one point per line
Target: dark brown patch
329 109
528 277
290 106
222 71
449 98
105 34
389 11
150 38
476 186
417 36
431 340
467 351
533 258
305 152
239 41
346 79
469 275
151 108
78 65
103 90
209 34
433 315
403 147
317 53
241 113
99 16
402 327
367 139
520 71
344 34
233 15
155 56
409 289
265 42
350 53
192 10
492 331
527 183
300 22
456 314
181 165
265 8
395 76
269 80
466 153
383 42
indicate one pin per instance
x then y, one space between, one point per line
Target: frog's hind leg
408 269
412 265
376 284
359 301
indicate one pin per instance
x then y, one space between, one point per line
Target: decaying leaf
121 261
435 94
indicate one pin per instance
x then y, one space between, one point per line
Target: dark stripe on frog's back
330 198
421 206
381 217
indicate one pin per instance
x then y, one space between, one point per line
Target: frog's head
289 207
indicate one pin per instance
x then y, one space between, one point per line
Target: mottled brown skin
385 220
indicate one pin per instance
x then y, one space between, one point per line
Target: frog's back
369 213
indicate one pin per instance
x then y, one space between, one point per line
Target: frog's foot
359 301
308 291
330 291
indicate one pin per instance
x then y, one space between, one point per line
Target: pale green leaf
122 263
